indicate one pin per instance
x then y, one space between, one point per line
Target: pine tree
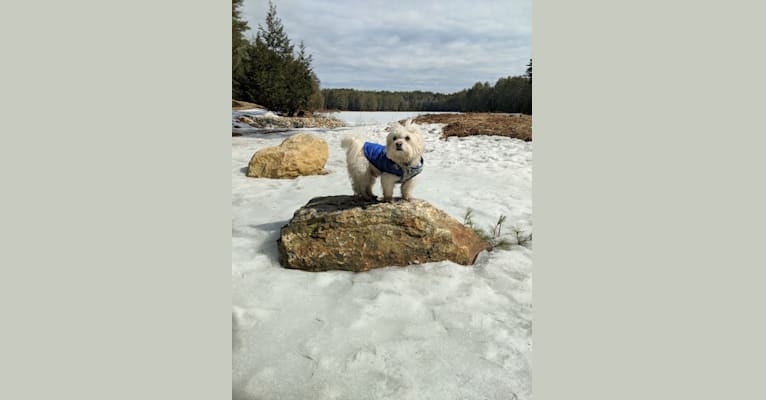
526 96
274 36
266 71
238 26
281 80
529 70
303 57
239 50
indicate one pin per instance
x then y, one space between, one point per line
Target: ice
360 118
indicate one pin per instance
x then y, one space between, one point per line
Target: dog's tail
346 142
351 143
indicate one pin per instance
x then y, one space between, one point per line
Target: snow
431 331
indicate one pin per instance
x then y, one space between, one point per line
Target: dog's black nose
398 145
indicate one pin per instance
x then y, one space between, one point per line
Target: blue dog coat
376 155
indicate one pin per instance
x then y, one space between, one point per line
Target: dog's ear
411 127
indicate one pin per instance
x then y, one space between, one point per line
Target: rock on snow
351 234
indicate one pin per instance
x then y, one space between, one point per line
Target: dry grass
470 124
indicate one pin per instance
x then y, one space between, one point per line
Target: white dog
399 161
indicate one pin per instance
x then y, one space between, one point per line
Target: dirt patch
237 105
471 124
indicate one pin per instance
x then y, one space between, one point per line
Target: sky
433 45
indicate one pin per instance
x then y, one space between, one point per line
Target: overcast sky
437 45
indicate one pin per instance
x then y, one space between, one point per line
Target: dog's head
404 143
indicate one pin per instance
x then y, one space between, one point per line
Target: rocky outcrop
348 233
294 122
298 155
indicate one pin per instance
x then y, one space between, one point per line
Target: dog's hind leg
368 187
358 187
368 181
362 185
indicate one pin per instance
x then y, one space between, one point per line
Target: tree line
268 70
512 94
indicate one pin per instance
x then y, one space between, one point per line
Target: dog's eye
407 138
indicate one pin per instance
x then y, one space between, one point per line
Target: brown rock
348 233
298 155
245 120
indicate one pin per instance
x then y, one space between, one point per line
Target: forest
268 70
512 94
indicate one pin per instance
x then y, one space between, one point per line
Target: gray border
116 201
648 196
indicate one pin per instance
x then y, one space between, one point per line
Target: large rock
298 155
348 233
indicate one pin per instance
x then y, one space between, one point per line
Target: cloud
442 46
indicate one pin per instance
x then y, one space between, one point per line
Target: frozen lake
359 118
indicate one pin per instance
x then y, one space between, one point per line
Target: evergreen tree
304 57
239 50
526 95
529 70
274 36
238 26
268 71
316 100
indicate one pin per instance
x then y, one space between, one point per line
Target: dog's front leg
387 181
407 189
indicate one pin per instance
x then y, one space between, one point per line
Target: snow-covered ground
431 331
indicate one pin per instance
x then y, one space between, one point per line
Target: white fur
363 174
